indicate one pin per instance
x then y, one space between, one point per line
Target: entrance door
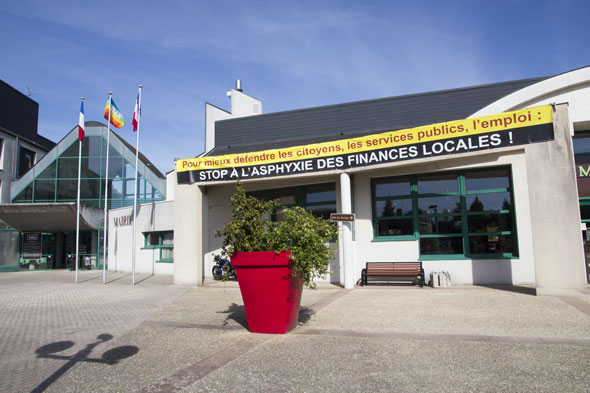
69 250
48 250
87 250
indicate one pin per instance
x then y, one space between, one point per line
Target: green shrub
306 236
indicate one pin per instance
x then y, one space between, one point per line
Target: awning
49 216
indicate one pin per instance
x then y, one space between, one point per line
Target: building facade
43 201
481 182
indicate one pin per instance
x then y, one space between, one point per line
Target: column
347 255
188 242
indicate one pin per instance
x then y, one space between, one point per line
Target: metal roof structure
93 128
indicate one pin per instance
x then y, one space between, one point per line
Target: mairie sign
460 136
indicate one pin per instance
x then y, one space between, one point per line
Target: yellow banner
440 131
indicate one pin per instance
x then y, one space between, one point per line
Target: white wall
464 271
170 185
553 196
158 216
244 105
212 114
188 234
241 105
216 211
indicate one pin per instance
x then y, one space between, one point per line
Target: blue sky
290 55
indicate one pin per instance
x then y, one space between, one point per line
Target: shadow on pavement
110 357
237 313
89 279
305 314
143 279
512 288
118 278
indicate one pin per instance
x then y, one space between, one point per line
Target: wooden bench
393 271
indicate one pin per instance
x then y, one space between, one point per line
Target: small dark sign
123 220
32 245
341 217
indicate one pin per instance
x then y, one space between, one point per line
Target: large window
26 160
457 214
59 181
162 241
320 199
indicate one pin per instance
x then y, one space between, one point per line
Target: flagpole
106 194
78 198
136 170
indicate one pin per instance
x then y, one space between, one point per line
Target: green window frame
320 199
58 182
585 209
453 215
162 241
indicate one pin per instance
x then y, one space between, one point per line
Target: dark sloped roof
324 123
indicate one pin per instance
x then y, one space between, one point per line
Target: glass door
47 251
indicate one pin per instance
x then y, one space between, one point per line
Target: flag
136 111
81 123
116 117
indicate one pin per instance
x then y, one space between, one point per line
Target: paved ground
45 311
377 338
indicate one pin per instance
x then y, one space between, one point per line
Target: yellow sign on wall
503 129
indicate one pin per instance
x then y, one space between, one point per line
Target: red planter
270 292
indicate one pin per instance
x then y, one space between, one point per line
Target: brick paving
46 319
154 337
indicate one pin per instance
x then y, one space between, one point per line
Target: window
163 241
319 199
1 154
393 207
26 160
460 214
10 243
59 181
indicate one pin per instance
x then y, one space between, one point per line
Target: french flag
135 120
81 123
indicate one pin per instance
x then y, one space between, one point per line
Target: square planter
270 292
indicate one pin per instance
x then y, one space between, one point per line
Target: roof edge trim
537 90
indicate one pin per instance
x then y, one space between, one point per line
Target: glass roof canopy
54 178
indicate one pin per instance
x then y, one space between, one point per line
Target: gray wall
555 213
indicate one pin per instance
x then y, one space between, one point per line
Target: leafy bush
298 231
